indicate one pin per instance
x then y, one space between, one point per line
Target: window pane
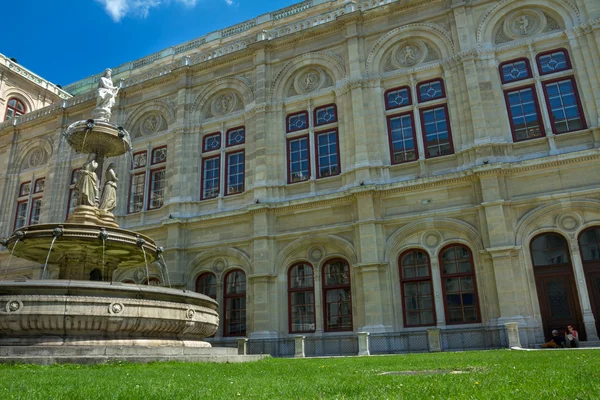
210 175
402 139
159 155
436 133
235 283
39 186
298 162
325 115
515 71
235 316
549 249
21 216
430 91
301 276
236 136
212 142
336 273
136 193
25 189
522 109
235 173
564 106
302 311
398 98
553 62
36 209
207 285
338 309
297 122
327 156
139 160
157 188
589 243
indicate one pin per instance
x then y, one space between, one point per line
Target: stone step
114 351
88 360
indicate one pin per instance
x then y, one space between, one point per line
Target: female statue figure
105 96
87 183
108 202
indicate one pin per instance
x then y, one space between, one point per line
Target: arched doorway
555 284
589 245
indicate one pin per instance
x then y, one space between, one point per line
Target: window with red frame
72 203
337 296
458 285
561 96
227 146
417 289
155 186
206 284
29 203
589 245
301 298
235 303
321 129
401 115
14 108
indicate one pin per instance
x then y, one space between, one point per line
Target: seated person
571 337
556 341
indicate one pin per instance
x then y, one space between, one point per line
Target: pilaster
582 291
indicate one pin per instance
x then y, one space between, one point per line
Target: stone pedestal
85 215
512 332
299 347
433 338
242 345
363 344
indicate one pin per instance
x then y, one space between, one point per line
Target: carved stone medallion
431 239
409 53
116 308
569 221
309 80
316 253
523 23
13 306
36 157
224 103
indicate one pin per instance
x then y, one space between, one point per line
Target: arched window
96 275
417 289
301 298
206 284
550 249
459 286
589 243
337 296
235 303
14 108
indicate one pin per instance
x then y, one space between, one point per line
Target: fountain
83 312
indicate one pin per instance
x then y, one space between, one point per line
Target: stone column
436 280
433 338
363 344
512 332
299 346
242 345
582 291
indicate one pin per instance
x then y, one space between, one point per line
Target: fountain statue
83 306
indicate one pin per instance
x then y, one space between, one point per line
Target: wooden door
592 276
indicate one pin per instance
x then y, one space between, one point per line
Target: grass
500 374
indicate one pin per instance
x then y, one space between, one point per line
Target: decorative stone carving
569 221
105 97
316 253
219 265
431 239
149 124
108 202
13 306
87 183
524 23
36 157
190 314
224 103
309 80
116 308
409 53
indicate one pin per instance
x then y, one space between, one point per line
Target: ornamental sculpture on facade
105 97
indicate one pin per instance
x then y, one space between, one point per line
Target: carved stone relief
524 23
222 103
150 123
309 80
35 158
408 53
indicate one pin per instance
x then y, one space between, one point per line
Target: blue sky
64 41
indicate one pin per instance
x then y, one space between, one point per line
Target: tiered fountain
83 313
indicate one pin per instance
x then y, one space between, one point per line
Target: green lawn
500 374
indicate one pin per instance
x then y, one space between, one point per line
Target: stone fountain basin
78 240
46 312
103 138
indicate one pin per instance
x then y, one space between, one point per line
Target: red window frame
567 60
596 230
440 80
471 274
577 98
322 107
21 189
227 296
199 288
287 122
15 110
424 134
131 177
337 140
227 136
516 60
289 158
26 202
211 135
133 158
154 150
510 116
33 200
35 185
327 288
292 291
418 280
152 173
227 187
390 139
202 194
385 97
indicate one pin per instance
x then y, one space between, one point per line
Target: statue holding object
105 97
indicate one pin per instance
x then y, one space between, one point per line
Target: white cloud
118 9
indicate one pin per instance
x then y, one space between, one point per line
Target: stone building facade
338 167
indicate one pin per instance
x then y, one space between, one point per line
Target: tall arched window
301 298
14 108
235 303
417 289
458 285
337 296
207 284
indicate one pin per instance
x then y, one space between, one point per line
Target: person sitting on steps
571 337
556 341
